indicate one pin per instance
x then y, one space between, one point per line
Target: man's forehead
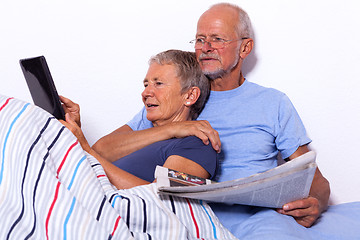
215 26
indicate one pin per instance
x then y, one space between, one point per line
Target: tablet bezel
41 85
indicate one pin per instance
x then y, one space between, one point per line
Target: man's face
218 23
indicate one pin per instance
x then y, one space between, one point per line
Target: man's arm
307 211
124 140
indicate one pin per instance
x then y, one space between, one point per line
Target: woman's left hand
76 130
72 108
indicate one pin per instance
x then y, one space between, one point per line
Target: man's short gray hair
190 74
244 27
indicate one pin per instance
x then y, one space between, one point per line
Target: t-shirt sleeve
291 130
139 121
194 149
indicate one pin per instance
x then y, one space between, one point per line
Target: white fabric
51 189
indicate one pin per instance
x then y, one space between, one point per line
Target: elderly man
254 123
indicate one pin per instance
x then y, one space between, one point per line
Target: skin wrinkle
163 89
226 60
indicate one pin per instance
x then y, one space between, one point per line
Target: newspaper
273 188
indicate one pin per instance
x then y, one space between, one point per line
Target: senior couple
175 130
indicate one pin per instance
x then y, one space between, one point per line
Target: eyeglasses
214 42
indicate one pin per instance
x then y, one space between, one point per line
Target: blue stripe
24 176
212 223
75 172
6 138
68 217
40 173
128 206
113 202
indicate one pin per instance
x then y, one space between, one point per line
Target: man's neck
228 82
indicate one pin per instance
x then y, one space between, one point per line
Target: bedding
51 189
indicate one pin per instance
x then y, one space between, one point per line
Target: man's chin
212 75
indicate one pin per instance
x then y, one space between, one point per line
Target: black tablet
41 85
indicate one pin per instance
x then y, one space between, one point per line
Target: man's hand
305 211
201 129
72 108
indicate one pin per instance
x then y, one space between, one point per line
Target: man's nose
207 47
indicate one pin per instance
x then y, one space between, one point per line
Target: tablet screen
41 85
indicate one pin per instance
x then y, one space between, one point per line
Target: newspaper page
273 188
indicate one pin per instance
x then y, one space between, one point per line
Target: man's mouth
207 57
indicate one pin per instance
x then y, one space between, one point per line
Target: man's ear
246 47
192 96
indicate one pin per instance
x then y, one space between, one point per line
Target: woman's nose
148 91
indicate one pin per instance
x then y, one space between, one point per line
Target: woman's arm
186 165
124 140
118 177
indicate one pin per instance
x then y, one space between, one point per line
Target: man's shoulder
263 89
139 121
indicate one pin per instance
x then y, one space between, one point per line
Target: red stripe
51 209
99 176
193 218
7 101
67 153
116 225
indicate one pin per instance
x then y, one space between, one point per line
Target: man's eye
218 39
159 83
200 40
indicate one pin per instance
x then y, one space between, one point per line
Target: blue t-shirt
254 124
143 162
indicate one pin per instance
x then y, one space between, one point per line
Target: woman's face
162 95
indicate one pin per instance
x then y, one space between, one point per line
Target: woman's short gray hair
190 74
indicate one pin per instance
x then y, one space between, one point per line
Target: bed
51 189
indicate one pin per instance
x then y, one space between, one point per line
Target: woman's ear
192 96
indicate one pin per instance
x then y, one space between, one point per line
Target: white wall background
98 51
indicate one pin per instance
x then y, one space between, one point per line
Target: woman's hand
72 108
76 130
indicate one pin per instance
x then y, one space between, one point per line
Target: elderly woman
50 188
175 90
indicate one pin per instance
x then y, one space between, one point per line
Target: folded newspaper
273 188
